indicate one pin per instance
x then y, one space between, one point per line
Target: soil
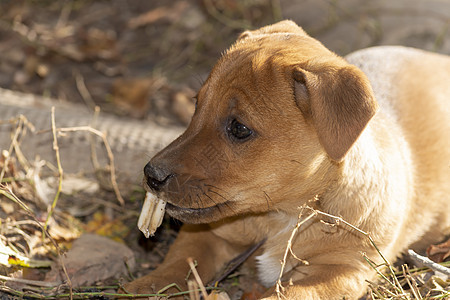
132 56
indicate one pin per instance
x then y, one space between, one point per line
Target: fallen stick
428 263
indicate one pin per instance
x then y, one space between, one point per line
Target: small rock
93 258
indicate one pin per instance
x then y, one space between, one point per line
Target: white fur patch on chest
269 268
269 263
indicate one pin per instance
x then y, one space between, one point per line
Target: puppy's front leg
327 281
196 241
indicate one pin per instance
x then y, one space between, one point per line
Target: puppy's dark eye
238 130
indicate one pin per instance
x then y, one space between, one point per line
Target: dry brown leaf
131 96
439 253
97 43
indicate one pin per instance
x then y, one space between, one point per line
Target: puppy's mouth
197 215
152 213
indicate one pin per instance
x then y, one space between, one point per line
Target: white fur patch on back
381 65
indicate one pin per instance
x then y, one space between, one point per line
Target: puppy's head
273 120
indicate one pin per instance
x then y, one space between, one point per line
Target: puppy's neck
363 181
374 183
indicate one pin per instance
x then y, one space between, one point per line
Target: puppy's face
261 138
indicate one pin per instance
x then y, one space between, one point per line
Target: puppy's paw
151 286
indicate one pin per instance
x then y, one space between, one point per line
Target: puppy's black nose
157 177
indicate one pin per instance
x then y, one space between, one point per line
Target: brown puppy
282 119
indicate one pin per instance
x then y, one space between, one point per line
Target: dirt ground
145 60
131 54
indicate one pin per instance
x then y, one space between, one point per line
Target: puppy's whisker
268 199
295 161
209 197
218 194
215 187
218 207
230 207
200 201
190 199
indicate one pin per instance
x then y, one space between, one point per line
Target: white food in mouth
152 214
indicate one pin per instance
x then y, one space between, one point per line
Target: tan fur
377 153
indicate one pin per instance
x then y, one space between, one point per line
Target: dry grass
23 233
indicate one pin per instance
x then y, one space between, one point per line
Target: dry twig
83 90
30 282
279 287
422 260
7 192
93 124
60 172
411 282
314 212
108 151
22 124
197 277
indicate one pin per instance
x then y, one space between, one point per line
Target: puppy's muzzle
157 177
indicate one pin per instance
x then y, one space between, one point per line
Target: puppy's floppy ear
285 26
340 103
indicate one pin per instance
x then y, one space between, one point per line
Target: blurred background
146 59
